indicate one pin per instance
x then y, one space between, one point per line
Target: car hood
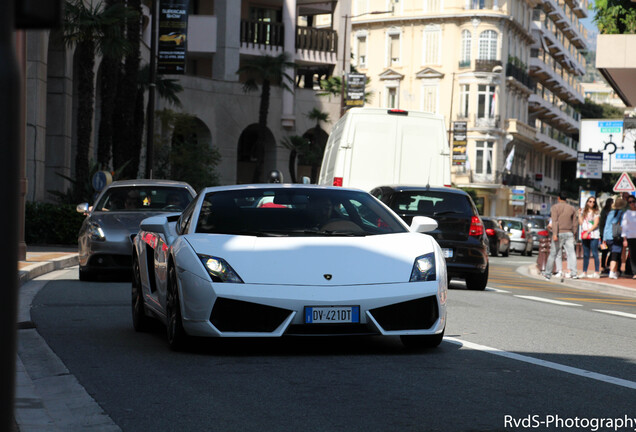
373 259
122 221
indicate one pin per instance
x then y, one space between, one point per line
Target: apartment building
222 36
504 74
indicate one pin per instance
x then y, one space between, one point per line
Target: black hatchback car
460 232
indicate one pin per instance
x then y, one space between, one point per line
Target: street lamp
345 51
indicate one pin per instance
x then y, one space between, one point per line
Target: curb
39 268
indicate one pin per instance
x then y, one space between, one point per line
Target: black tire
422 342
86 275
139 317
477 282
177 337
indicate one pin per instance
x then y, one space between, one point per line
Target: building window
430 98
361 50
483 157
432 5
392 97
464 57
394 49
464 100
431 44
485 101
488 45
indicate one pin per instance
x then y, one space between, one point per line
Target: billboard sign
173 30
355 89
589 165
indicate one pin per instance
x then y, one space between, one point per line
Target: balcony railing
520 75
464 64
309 38
486 65
487 121
255 32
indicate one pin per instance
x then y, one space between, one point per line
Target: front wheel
477 282
421 342
177 336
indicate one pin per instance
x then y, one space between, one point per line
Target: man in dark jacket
565 223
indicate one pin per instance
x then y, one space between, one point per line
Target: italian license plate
332 314
448 253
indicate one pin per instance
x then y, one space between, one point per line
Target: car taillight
543 233
490 232
523 233
476 227
337 181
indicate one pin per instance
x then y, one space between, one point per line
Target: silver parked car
105 237
520 237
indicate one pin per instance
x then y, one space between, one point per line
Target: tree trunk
85 102
108 91
260 142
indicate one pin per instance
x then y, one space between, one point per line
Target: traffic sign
624 184
518 197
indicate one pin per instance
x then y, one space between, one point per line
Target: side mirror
155 224
423 224
82 208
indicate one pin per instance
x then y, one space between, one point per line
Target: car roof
148 182
512 218
409 188
276 186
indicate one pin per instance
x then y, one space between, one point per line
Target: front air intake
419 314
238 316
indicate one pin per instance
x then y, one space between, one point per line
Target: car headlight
95 232
219 270
424 268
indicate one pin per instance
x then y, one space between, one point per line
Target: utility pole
10 109
150 110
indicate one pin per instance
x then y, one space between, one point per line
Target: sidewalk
624 285
49 398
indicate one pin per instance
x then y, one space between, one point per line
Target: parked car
105 237
499 241
460 231
321 261
517 229
537 224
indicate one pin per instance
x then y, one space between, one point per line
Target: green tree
87 27
318 139
183 156
615 16
266 71
296 145
115 47
592 110
128 124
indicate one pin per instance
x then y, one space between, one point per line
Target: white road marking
497 290
545 300
618 313
548 364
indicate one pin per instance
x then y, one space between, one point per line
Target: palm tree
296 145
85 27
128 128
116 46
268 71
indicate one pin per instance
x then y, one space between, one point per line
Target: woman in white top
589 219
628 231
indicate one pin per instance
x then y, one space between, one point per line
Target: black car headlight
95 232
424 268
219 270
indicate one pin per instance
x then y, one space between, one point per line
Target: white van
369 147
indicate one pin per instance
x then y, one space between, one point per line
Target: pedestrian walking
565 223
614 242
589 220
628 231
558 262
607 207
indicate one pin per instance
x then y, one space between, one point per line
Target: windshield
144 198
431 203
295 212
